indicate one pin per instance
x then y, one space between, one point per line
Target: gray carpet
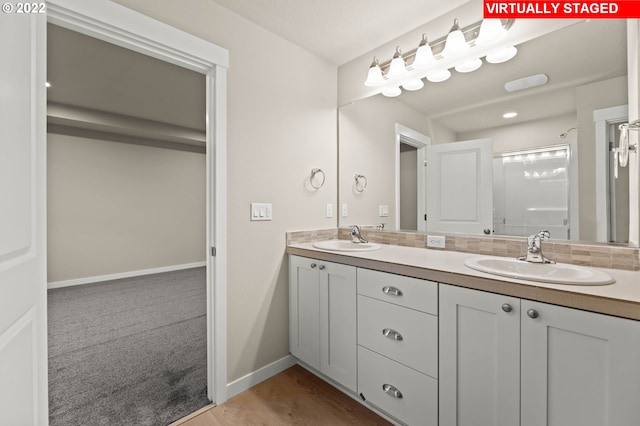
129 351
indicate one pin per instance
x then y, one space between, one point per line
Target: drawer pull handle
391 291
321 267
313 266
392 390
391 334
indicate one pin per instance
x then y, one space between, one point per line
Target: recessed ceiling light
509 114
526 82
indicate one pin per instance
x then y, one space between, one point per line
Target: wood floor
293 397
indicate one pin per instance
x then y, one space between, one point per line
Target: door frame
603 118
416 139
124 27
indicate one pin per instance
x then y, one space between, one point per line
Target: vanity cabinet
398 345
322 314
507 361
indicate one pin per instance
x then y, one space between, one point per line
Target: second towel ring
314 172
361 182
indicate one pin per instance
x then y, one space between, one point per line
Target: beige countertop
621 298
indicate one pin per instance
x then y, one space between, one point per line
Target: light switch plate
383 211
261 211
329 210
345 210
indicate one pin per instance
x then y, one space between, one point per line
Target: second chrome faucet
534 248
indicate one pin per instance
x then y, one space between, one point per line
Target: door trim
124 27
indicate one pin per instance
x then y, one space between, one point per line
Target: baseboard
130 274
244 383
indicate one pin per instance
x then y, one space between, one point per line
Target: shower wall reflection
536 183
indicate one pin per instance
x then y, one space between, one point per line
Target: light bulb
411 85
456 43
398 67
439 76
469 66
424 55
490 30
391 92
502 55
374 77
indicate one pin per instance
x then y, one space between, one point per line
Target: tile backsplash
578 253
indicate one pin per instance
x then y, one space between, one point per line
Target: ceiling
586 52
88 73
340 30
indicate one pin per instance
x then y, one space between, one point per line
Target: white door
578 368
460 187
23 281
479 374
304 310
338 328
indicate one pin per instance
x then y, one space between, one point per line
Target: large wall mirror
551 165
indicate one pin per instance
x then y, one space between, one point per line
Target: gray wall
116 207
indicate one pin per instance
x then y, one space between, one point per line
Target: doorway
120 26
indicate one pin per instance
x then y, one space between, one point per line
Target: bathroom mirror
384 138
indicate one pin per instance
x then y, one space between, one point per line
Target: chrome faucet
534 248
355 235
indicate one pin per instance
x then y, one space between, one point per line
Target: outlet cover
435 241
329 210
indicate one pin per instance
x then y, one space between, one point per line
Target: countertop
621 298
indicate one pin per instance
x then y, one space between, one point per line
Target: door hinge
213 251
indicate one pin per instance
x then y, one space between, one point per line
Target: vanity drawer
405 335
404 291
417 401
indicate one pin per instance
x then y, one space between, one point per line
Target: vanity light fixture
456 43
458 49
374 78
47 84
424 55
511 114
469 66
439 76
398 67
501 55
490 30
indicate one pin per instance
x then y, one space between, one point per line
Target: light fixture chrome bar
470 32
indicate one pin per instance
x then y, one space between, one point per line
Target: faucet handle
543 234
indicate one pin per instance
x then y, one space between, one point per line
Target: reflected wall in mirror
586 65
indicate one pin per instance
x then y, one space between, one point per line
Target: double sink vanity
435 337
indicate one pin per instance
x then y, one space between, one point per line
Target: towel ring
314 172
361 182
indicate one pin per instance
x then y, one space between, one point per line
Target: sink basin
557 273
345 245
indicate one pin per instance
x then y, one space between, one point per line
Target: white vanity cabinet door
304 310
407 336
404 393
579 368
479 358
322 317
338 342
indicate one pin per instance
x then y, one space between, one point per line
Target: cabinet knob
391 334
392 391
507 307
313 266
321 267
392 291
532 313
